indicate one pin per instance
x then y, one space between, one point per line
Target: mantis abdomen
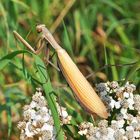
80 86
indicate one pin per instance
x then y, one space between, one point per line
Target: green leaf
66 40
20 3
4 63
9 113
7 58
114 69
133 71
13 54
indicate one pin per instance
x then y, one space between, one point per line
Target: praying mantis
83 91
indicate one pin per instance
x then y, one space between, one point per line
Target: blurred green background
101 36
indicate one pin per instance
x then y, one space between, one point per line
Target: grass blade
66 41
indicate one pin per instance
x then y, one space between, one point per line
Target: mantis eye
39 28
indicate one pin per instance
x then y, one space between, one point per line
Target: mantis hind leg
47 59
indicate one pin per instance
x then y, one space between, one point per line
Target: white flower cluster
37 119
124 120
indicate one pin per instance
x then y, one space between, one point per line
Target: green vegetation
102 37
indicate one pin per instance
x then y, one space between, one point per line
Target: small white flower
125 138
98 135
120 123
117 105
122 131
37 117
33 113
128 128
108 89
131 103
112 104
126 95
29 114
64 114
83 132
137 134
101 87
114 84
104 137
44 109
110 134
33 104
123 110
38 93
134 120
103 93
46 117
131 95
124 113
28 133
37 130
47 127
113 121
